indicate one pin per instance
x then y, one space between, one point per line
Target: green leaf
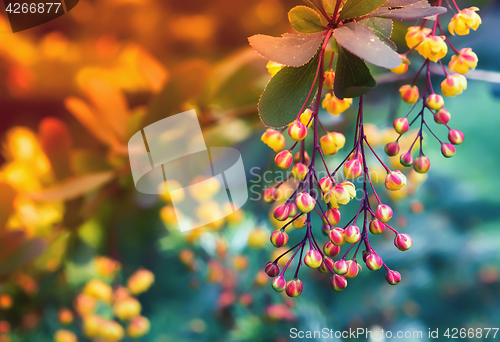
358 8
352 76
329 6
334 45
362 42
286 93
293 49
305 20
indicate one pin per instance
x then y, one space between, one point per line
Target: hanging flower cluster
326 195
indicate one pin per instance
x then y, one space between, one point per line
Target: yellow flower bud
332 143
138 327
99 290
273 67
127 308
140 281
416 35
111 331
305 118
462 22
453 85
409 94
258 238
403 67
273 139
465 60
65 336
334 105
433 48
92 325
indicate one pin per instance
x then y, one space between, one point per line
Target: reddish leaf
23 255
110 104
88 117
187 81
392 3
9 242
362 42
73 187
419 10
7 195
292 49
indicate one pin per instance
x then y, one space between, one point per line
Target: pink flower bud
406 159
403 241
374 262
331 250
395 180
294 288
422 164
352 234
313 259
393 277
336 236
401 125
279 238
282 212
326 265
409 94
383 213
331 216
338 283
299 171
270 195
353 168
279 284
448 150
455 136
304 202
326 184
284 159
272 269
306 160
377 227
325 229
329 77
297 130
352 269
340 267
365 254
442 116
435 102
292 210
392 149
